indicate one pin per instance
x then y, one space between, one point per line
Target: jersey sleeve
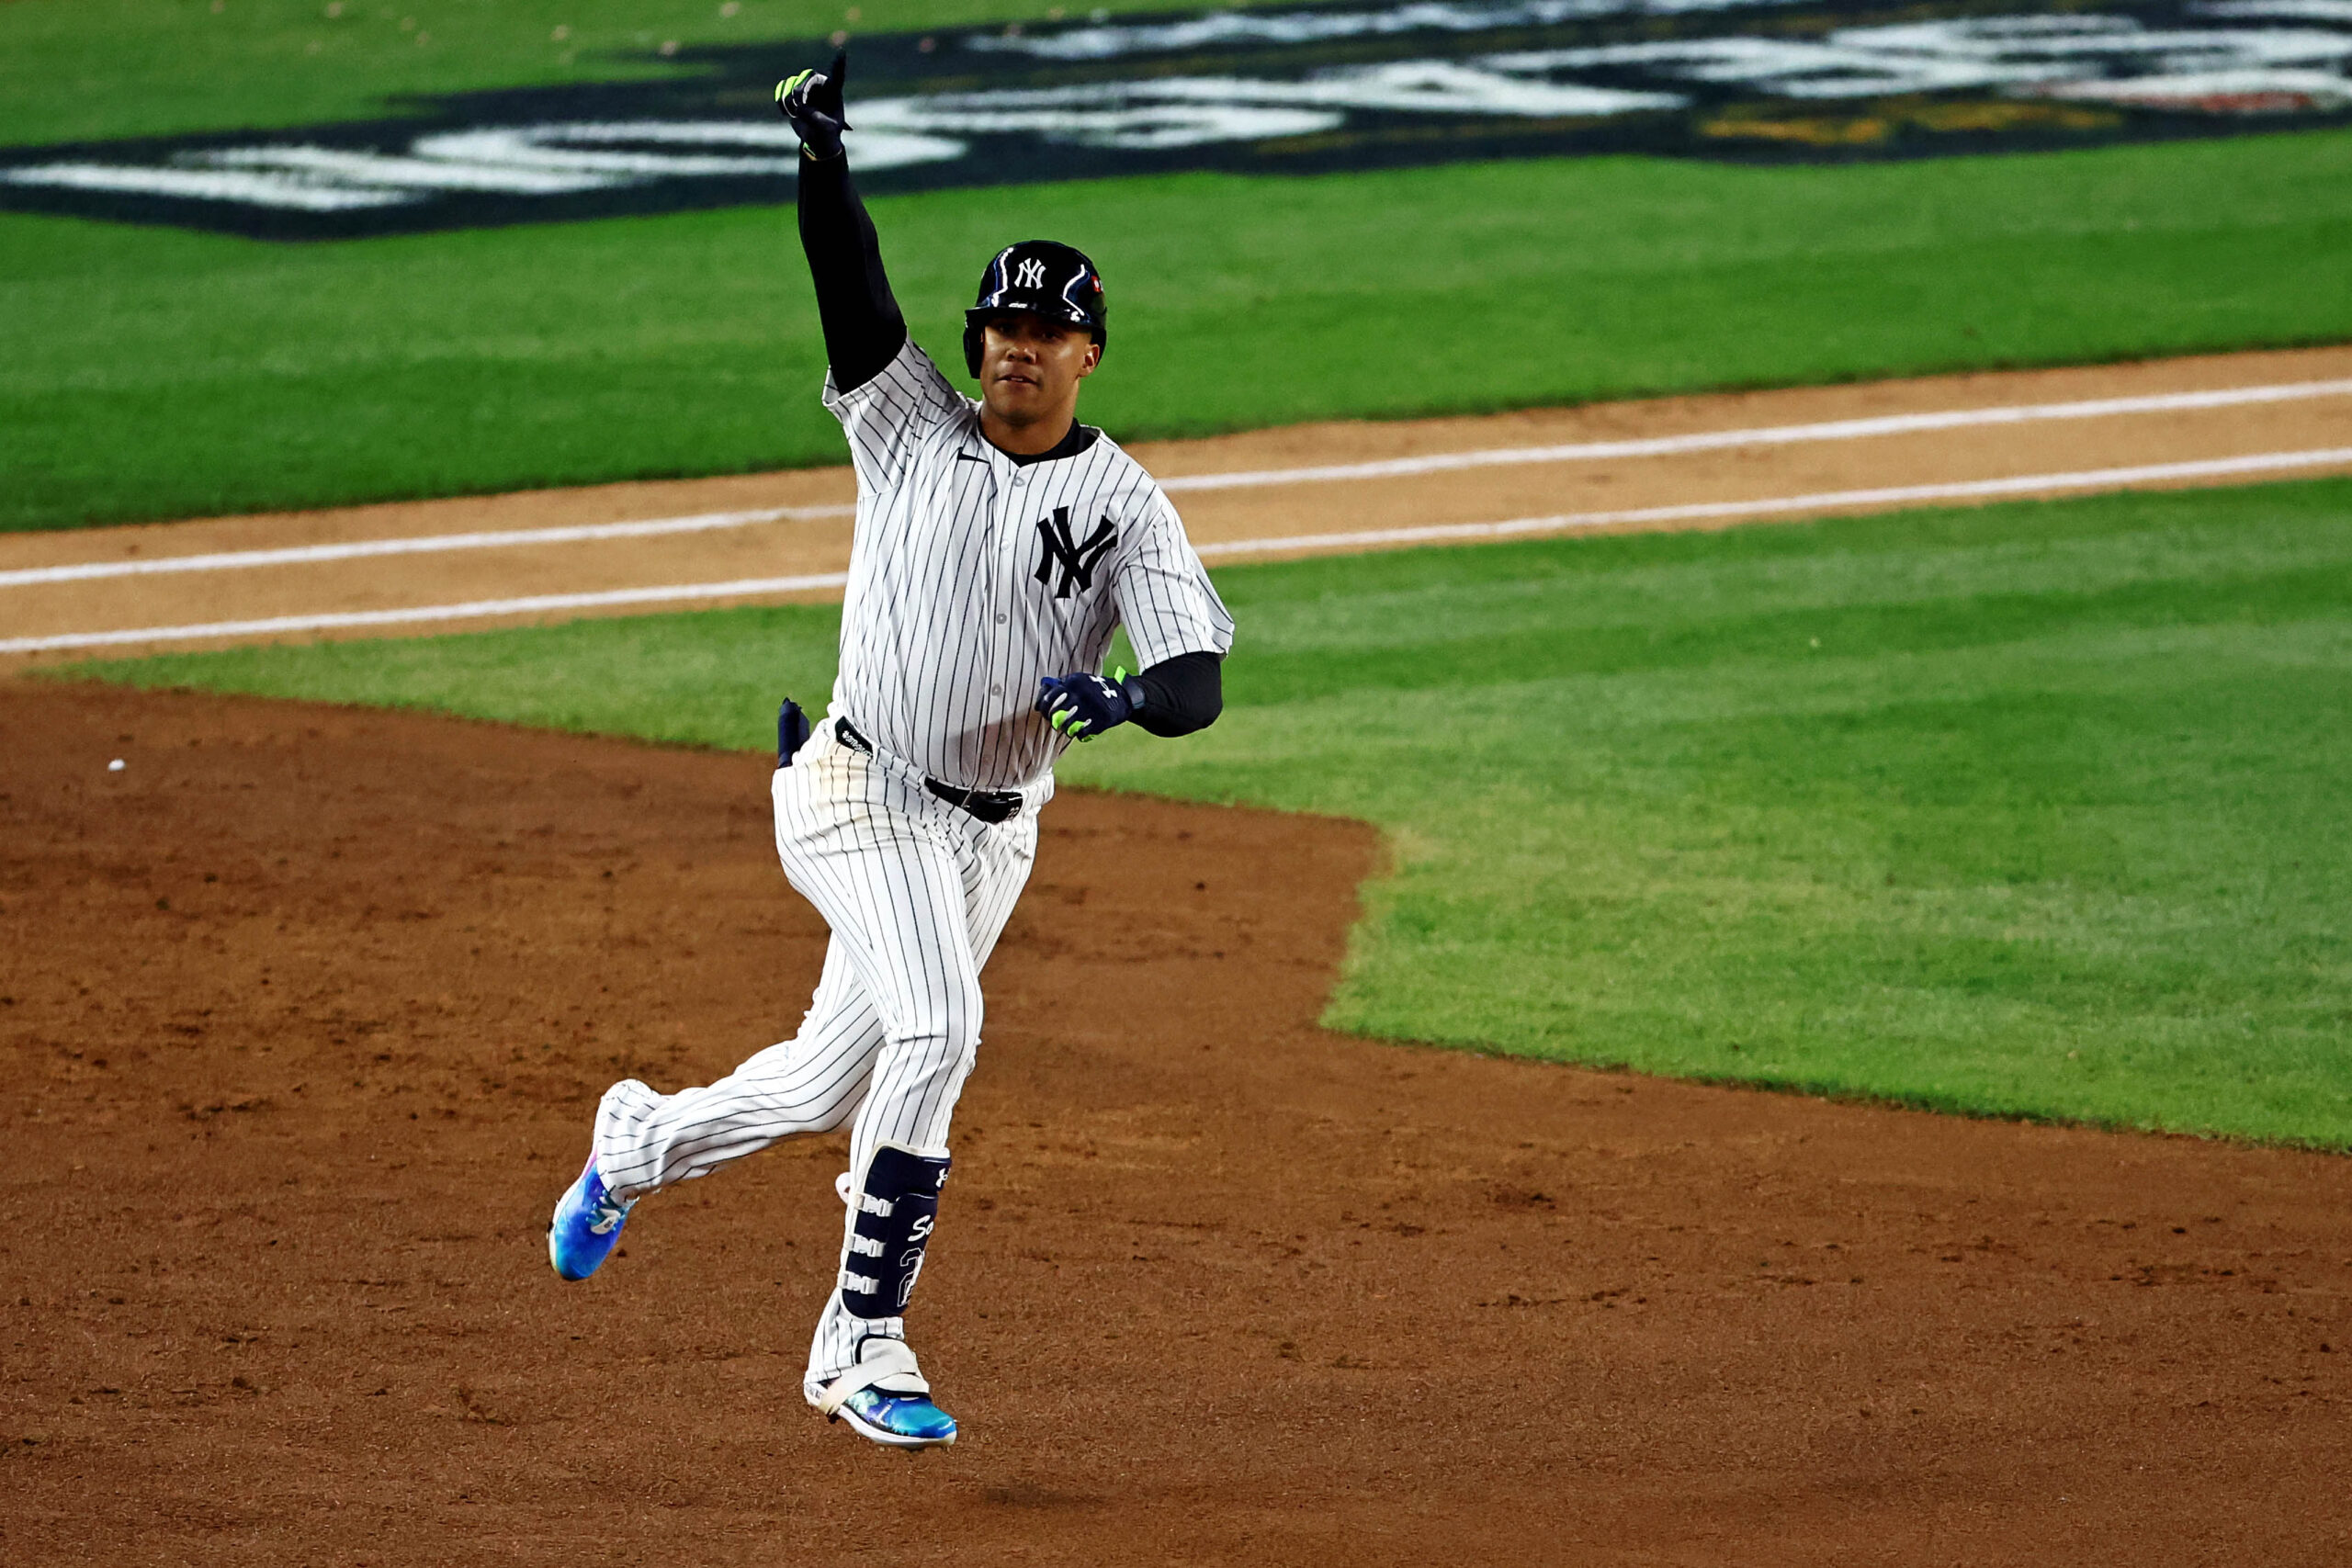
886 418
863 325
1166 600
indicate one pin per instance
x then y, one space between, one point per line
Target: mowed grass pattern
76 70
154 374
2037 809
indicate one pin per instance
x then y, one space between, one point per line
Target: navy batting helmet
1044 277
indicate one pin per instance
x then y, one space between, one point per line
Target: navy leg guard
896 1208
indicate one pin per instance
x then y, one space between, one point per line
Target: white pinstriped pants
916 892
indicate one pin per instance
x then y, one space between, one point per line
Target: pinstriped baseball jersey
973 577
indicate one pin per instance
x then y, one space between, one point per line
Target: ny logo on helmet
1031 273
1077 559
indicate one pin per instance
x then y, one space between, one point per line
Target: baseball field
1755 970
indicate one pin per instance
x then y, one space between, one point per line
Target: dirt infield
305 1008
1230 524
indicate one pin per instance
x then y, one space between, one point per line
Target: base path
1676 462
306 1009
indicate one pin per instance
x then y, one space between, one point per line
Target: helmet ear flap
973 340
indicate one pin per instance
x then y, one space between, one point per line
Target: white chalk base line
426 544
1586 451
1774 435
475 609
1887 496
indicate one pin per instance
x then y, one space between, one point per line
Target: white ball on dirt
114 766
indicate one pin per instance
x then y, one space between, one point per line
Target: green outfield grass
153 373
72 69
2036 809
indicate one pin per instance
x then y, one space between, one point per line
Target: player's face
1030 367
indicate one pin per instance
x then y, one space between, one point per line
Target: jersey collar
1080 438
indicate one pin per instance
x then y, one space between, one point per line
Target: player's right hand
1084 705
812 102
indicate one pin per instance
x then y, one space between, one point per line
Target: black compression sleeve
1181 694
864 328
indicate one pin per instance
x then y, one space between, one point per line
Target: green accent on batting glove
810 103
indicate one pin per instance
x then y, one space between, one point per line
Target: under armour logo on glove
1078 561
1082 706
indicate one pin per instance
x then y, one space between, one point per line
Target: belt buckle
990 805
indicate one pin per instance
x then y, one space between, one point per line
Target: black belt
991 806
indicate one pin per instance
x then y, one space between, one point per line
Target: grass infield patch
2033 810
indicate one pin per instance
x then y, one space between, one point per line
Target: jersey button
996 691
1000 620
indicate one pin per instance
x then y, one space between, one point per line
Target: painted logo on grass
1272 91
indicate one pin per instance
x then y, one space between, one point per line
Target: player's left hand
812 103
1083 705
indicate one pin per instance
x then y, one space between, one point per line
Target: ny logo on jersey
1077 559
1029 274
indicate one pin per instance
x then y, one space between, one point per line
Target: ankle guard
892 1213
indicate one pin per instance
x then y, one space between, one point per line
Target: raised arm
864 327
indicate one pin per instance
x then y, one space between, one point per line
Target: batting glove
1084 706
812 103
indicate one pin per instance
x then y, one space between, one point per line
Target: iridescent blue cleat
897 1420
587 1221
899 1416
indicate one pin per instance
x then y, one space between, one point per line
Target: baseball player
998 544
